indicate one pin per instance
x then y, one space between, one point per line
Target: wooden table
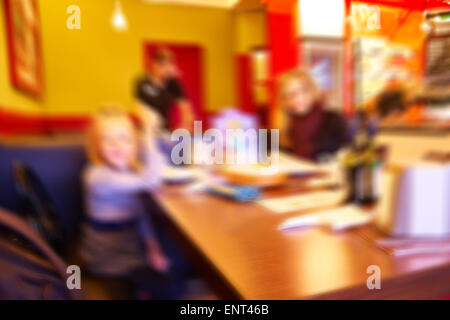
257 261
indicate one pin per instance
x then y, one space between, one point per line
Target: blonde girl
117 237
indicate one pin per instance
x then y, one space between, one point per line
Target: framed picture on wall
23 30
438 60
324 58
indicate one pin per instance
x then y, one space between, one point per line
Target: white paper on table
303 202
177 174
337 219
280 163
293 166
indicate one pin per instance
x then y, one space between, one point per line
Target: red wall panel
243 64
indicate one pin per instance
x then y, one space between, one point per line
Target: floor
100 289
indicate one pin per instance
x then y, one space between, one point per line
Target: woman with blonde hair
307 128
117 238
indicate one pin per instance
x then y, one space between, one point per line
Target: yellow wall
96 64
250 30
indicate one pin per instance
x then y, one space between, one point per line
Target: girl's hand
158 261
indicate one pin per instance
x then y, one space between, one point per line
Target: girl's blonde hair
107 111
298 74
282 118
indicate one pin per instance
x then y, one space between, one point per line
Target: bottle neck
362 140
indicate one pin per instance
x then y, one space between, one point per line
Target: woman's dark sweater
317 133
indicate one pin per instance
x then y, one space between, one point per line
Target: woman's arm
333 136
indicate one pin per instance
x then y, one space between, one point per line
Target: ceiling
240 4
209 3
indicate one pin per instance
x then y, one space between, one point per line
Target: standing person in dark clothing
308 129
160 89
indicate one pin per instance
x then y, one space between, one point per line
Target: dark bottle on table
362 166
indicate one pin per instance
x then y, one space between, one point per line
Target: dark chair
59 167
37 206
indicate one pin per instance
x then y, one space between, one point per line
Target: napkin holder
415 201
